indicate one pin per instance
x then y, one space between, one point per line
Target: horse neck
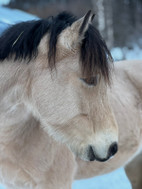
129 73
134 71
13 79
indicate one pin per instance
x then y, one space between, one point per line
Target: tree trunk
109 23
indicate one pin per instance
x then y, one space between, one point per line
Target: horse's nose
92 155
112 149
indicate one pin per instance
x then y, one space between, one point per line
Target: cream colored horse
51 107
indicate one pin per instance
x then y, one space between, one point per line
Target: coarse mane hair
21 42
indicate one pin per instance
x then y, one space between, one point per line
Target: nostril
91 154
113 149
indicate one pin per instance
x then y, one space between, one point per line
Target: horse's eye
92 81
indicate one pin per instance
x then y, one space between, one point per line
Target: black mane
22 40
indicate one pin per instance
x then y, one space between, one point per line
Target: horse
64 107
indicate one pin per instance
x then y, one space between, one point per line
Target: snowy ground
116 179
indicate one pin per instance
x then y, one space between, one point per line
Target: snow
118 178
117 53
4 2
114 180
135 52
11 16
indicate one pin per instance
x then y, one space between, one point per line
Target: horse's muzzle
111 152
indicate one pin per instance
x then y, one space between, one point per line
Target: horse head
69 69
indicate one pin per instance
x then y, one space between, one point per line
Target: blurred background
120 22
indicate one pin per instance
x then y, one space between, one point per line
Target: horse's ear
85 21
73 35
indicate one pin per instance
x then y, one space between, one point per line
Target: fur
49 121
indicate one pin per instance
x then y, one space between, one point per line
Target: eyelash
92 81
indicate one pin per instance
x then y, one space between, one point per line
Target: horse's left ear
73 35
